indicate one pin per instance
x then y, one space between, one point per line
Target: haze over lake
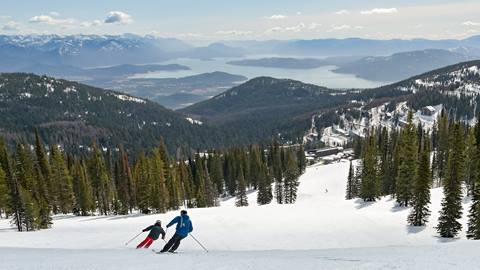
322 76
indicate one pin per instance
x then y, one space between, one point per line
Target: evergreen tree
473 231
357 148
255 166
407 163
199 182
62 181
44 171
451 212
173 188
44 219
442 146
216 172
245 165
292 173
210 190
370 186
185 179
350 193
471 160
15 204
28 213
101 184
241 195
158 192
124 183
230 173
143 184
84 203
385 174
421 188
397 146
302 160
277 172
265 195
357 180
4 194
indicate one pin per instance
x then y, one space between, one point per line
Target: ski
169 252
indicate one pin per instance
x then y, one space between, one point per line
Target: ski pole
198 242
129 241
166 231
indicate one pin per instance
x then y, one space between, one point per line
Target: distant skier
155 231
183 228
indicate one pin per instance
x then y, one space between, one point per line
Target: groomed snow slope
321 231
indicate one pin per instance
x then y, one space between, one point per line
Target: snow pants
173 243
145 243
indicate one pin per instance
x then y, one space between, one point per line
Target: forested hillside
34 184
399 163
74 115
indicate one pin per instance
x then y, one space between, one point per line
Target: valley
239 135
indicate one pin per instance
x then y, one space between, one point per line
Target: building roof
430 108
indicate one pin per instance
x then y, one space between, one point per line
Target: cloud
297 28
233 33
342 12
274 30
91 24
470 23
118 17
344 27
46 19
54 13
11 26
314 26
277 17
340 27
379 11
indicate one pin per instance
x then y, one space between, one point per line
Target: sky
211 20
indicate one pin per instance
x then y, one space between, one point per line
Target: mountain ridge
75 114
255 111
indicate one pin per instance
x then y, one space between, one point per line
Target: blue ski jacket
184 225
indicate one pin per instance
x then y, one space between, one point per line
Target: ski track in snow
321 231
421 257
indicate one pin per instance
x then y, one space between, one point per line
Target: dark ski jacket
184 225
155 231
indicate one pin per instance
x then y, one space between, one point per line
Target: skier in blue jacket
183 228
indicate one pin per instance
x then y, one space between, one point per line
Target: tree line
407 162
37 182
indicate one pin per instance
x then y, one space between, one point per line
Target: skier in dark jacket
183 228
155 231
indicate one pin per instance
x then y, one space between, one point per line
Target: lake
322 76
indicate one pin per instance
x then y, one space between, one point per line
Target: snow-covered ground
320 231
